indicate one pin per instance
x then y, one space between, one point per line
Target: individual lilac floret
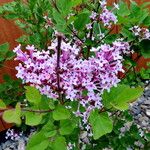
103 3
89 26
70 146
116 6
93 15
48 21
141 33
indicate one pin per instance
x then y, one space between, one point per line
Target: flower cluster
139 144
11 134
107 16
141 33
126 127
80 79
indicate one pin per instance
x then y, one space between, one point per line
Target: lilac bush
70 63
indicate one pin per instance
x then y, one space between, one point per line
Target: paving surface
141 110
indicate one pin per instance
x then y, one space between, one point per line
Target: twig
28 110
75 34
105 35
91 33
98 6
103 109
58 60
117 116
90 38
136 60
55 6
37 111
58 66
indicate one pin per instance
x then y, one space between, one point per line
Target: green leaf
22 39
51 133
123 20
4 48
119 97
60 21
46 103
101 124
134 7
20 24
145 48
37 142
9 7
11 16
76 2
33 95
5 53
1 10
82 20
59 143
10 55
127 34
146 21
61 113
71 19
129 61
51 104
145 4
147 135
33 119
145 73
49 129
143 15
67 127
64 6
32 4
110 38
2 104
13 116
137 14
123 9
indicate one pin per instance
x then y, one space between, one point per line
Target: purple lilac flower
103 3
89 26
107 17
48 21
116 6
11 134
141 33
93 15
38 68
